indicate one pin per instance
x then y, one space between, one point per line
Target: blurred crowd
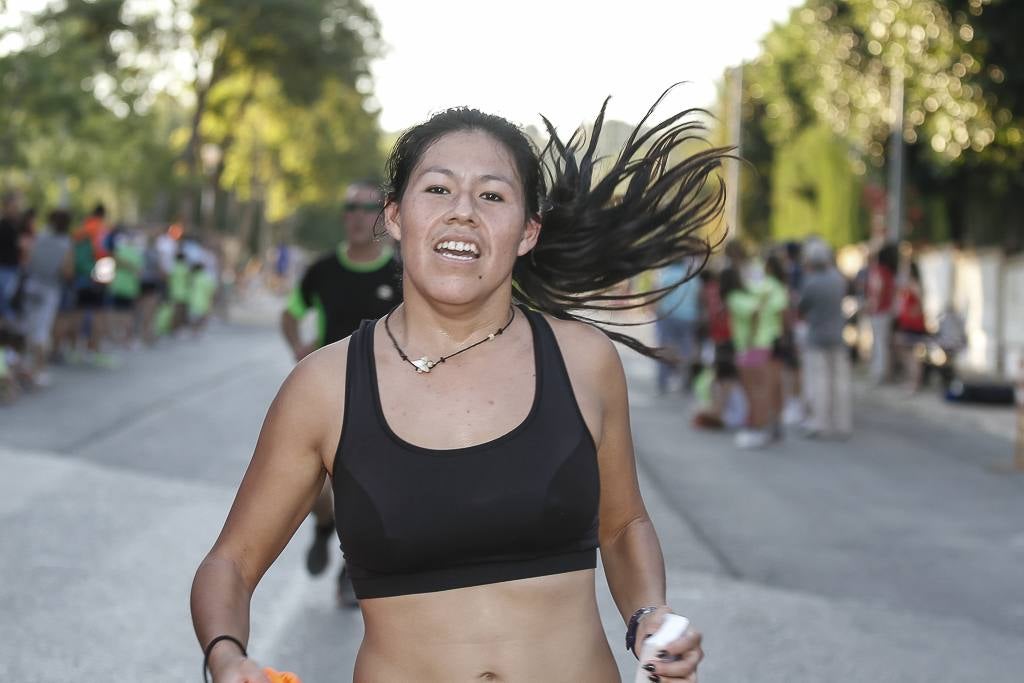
766 339
78 291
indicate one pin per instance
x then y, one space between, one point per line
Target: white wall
1013 314
987 288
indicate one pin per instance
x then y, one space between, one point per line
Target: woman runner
477 437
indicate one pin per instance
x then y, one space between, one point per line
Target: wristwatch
634 621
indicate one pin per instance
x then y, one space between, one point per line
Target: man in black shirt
360 280
10 252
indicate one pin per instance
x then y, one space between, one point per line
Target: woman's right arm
277 492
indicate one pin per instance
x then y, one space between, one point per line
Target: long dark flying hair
647 211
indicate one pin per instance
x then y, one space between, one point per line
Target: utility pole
895 160
732 184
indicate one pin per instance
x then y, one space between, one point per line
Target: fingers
257 677
650 623
678 661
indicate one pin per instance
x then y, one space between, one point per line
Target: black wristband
209 649
631 627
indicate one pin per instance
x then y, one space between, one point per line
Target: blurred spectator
152 285
911 331
167 247
826 362
126 285
48 269
26 237
10 252
678 319
720 398
737 255
89 245
785 362
880 292
94 228
755 318
794 262
202 286
27 225
178 291
12 349
282 267
714 326
949 340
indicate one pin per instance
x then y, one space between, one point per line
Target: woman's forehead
471 153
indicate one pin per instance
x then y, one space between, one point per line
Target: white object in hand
671 628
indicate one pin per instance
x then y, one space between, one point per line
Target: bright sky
560 57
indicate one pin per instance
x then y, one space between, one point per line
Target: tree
299 44
129 96
834 62
69 122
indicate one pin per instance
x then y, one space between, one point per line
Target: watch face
385 293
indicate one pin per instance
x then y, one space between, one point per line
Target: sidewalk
999 421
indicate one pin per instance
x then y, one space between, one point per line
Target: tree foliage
834 63
814 189
266 103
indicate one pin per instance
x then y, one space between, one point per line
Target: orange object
281 676
95 230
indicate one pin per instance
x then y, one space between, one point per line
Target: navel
488 676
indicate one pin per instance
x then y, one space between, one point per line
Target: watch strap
631 627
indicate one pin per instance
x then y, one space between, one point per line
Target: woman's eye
492 197
437 189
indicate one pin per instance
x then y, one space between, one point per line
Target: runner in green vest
124 289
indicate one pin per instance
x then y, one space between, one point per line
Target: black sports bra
416 520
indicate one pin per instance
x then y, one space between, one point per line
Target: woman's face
462 219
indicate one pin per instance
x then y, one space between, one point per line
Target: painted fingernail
662 654
648 667
654 677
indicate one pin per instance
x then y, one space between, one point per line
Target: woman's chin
455 291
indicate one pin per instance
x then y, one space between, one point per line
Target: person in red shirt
911 330
879 294
716 334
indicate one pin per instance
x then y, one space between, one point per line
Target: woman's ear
530 236
392 221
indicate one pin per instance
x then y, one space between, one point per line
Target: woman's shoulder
316 387
584 347
323 370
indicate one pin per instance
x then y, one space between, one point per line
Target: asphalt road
896 556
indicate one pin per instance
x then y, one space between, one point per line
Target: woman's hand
238 669
678 661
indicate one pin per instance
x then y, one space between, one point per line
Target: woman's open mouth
457 250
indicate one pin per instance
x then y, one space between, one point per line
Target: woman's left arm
630 550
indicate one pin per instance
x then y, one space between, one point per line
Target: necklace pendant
423 364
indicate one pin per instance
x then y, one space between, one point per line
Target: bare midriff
539 629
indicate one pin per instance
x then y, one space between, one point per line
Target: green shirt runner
126 276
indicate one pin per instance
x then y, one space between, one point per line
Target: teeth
452 245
